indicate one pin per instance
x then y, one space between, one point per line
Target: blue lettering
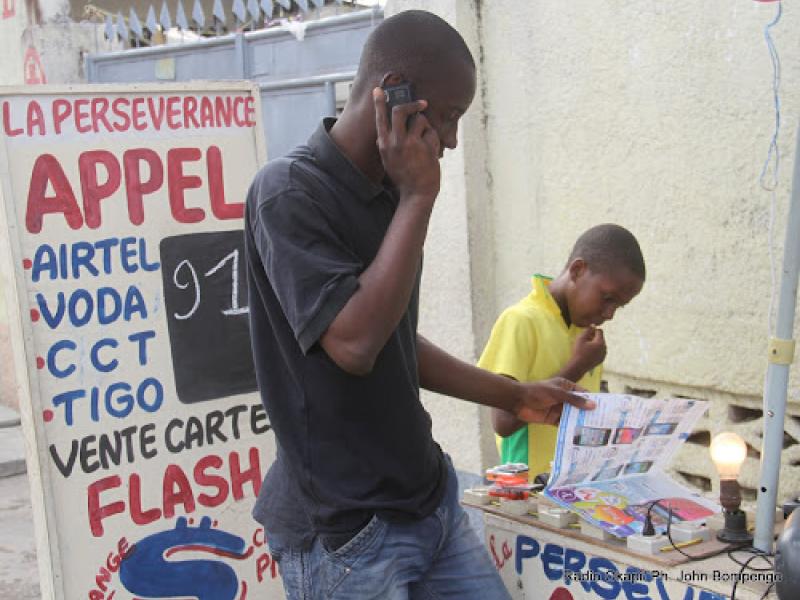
527 547
125 401
67 398
607 587
51 359
52 319
143 252
552 561
134 303
82 256
95 413
44 261
635 589
105 246
88 307
62 257
103 367
103 315
158 399
127 253
142 337
662 591
706 595
574 561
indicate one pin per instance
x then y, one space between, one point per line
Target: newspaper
609 463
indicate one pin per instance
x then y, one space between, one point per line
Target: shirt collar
333 161
541 296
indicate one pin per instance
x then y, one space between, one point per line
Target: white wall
655 115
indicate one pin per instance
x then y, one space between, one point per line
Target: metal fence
297 69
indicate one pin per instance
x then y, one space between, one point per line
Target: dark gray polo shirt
348 447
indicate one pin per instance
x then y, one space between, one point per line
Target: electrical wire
746 565
774 150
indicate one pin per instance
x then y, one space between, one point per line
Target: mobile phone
591 436
397 94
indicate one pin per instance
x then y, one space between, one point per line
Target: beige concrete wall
653 115
656 116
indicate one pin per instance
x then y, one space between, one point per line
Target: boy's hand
590 348
410 148
542 401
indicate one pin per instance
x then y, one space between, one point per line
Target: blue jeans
437 557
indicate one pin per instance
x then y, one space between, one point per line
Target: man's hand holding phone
409 148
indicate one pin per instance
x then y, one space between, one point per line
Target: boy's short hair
609 246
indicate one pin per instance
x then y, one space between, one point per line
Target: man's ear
577 268
392 78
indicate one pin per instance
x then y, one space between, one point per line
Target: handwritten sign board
536 563
147 444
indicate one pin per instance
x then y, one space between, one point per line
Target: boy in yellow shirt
554 332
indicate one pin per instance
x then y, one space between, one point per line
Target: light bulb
728 452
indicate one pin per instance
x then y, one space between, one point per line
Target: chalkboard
205 295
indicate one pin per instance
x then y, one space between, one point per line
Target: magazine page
609 463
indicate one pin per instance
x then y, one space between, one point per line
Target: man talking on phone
361 502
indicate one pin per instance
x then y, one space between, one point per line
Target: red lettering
93 190
99 110
47 170
81 114
139 516
173 112
135 188
157 116
177 182
250 111
8 9
216 188
102 579
262 563
224 109
125 119
122 547
62 109
239 478
206 112
96 512
9 131
35 118
204 479
189 108
105 573
139 123
258 538
177 491
238 102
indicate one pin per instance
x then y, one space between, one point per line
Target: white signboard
147 442
539 564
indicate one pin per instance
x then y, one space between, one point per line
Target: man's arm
411 158
590 351
538 402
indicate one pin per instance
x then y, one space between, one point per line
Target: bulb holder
730 494
735 530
